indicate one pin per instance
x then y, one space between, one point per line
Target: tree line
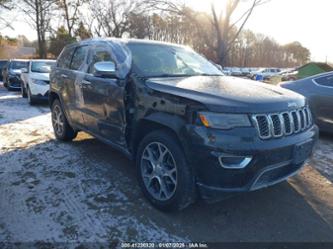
217 34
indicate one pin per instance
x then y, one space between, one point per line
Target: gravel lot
85 191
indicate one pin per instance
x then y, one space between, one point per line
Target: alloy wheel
58 120
159 171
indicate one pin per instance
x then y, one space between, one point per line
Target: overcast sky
284 20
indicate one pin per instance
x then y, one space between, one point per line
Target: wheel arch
53 96
155 121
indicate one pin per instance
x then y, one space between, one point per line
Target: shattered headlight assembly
224 121
38 82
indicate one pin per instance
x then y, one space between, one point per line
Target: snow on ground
54 186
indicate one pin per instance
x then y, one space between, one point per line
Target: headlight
224 121
38 82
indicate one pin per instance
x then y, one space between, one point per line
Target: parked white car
265 73
227 70
236 71
36 80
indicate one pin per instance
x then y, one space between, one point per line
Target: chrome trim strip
283 129
245 162
301 117
300 114
310 116
256 124
270 125
292 125
273 126
305 119
298 122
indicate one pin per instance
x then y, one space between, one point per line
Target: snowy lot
85 191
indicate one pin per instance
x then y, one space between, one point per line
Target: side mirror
105 69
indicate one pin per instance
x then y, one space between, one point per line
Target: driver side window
98 56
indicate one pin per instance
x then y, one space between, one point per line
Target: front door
104 109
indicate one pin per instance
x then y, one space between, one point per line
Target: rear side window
78 57
325 80
65 57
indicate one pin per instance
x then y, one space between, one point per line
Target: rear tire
168 182
62 130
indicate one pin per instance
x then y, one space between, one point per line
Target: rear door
75 75
64 78
103 98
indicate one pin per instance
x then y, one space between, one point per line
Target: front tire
62 130
164 176
23 91
31 99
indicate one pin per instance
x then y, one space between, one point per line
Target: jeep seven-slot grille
282 124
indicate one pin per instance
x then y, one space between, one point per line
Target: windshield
41 66
19 64
169 61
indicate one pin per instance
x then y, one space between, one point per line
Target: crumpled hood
229 94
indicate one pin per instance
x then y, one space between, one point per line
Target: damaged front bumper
267 162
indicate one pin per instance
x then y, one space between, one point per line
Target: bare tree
5 5
111 16
39 14
225 30
71 12
224 27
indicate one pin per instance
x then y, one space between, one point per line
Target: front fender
174 122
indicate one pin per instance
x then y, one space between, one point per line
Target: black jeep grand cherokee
191 130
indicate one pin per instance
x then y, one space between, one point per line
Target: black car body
318 90
12 73
2 65
225 135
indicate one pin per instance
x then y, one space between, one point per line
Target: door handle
64 76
